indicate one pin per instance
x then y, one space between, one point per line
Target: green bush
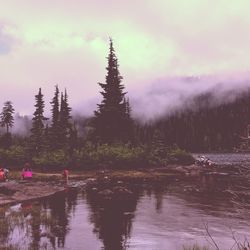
180 156
114 156
15 155
117 156
53 159
125 156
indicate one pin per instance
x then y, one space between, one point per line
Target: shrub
53 159
180 156
15 155
114 156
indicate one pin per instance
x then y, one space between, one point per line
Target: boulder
106 193
118 190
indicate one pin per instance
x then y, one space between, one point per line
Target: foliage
6 140
15 155
64 119
37 130
52 159
120 156
6 116
112 121
205 124
116 156
54 131
112 156
180 156
58 133
158 154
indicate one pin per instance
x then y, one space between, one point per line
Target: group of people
27 173
204 161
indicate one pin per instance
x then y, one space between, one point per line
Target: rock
78 184
106 192
58 230
94 189
91 180
48 235
7 191
122 191
128 213
91 183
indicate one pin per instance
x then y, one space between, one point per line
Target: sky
160 45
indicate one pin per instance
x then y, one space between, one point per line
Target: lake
160 215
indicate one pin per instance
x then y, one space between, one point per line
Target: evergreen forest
112 138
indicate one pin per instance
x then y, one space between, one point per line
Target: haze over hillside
157 100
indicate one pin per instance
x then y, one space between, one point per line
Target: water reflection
155 215
112 218
60 207
37 225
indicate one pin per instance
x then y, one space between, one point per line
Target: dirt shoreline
48 184
13 192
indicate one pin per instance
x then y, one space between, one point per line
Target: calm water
159 216
229 158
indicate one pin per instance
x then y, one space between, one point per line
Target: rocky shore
103 183
18 191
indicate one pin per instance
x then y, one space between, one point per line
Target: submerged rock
7 191
106 193
122 191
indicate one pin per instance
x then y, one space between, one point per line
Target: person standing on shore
66 175
2 176
27 172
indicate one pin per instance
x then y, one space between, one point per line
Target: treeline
209 123
110 138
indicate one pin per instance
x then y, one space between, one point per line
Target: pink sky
65 42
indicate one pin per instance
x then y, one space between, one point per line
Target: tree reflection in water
37 225
112 218
61 206
45 224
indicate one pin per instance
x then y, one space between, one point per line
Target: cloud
167 95
157 42
6 40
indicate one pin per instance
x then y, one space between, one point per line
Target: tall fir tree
7 119
64 118
128 121
54 131
73 140
37 130
111 119
46 139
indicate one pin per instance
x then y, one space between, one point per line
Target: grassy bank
116 156
85 174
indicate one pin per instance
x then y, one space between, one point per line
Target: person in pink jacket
27 172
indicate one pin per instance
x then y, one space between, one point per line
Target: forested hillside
207 122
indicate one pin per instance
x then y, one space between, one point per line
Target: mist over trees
207 122
205 125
